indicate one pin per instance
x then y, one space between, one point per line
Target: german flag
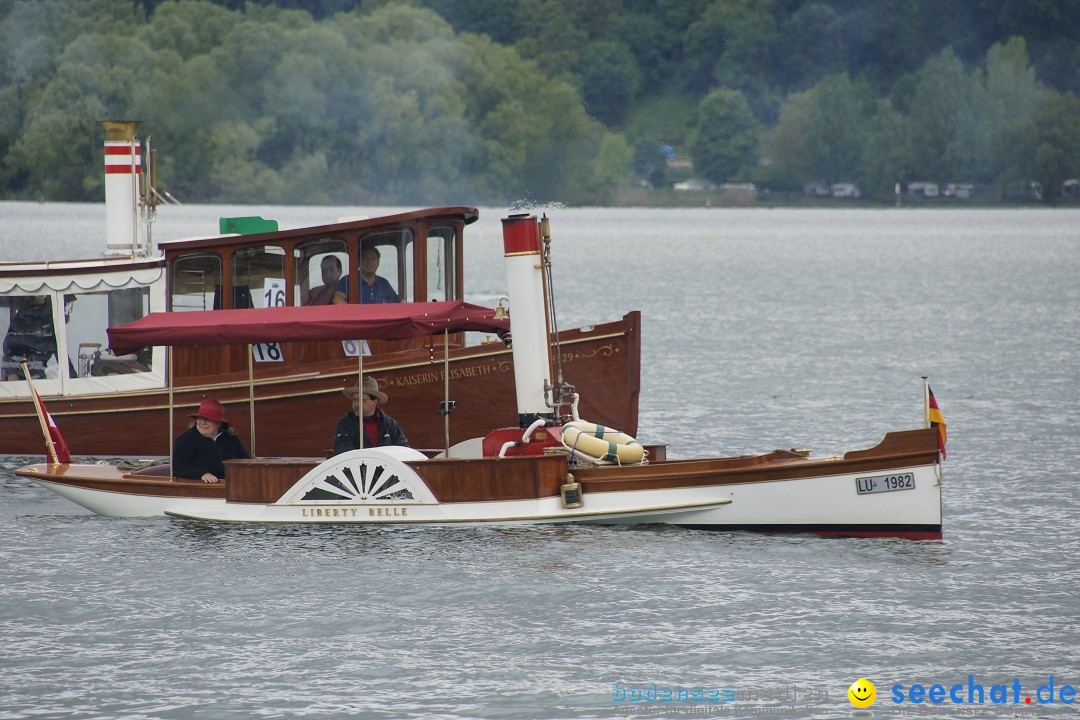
936 420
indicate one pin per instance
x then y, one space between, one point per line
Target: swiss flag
63 455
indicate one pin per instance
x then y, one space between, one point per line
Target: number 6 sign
352 347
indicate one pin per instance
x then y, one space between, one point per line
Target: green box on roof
246 225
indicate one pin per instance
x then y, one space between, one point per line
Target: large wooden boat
551 467
56 316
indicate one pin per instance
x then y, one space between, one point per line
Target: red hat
210 410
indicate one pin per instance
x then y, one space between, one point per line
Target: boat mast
562 393
148 195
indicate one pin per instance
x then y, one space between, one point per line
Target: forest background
489 102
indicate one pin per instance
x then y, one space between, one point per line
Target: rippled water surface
762 329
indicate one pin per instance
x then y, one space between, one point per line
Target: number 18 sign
267 352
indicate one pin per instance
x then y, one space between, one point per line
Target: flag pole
41 416
925 402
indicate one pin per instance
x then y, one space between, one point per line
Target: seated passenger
379 428
30 337
374 288
200 452
335 288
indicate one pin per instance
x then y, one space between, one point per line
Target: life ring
602 443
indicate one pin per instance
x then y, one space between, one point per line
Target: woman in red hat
200 451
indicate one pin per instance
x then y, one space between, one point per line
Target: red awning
391 321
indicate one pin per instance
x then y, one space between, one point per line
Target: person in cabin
31 336
374 288
379 428
200 452
335 288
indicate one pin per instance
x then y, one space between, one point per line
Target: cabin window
196 283
441 264
88 315
386 267
27 326
321 272
258 277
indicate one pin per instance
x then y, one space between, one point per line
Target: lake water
763 329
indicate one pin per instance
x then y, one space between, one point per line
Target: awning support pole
251 399
360 384
169 362
446 392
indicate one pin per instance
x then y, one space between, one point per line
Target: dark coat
347 434
30 336
195 455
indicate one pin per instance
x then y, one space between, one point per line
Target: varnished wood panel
296 416
486 479
263 481
477 480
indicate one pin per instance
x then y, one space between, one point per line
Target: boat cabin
409 257
416 256
55 315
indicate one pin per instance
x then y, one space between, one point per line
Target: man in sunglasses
378 428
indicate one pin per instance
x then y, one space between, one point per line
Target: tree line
534 101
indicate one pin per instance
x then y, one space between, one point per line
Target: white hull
520 512
120 504
819 504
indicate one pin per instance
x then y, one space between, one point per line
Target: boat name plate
885 483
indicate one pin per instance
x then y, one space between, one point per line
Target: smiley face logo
862 693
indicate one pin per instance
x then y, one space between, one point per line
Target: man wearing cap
379 428
200 452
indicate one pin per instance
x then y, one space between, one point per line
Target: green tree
834 135
553 40
1007 112
1057 154
886 153
808 46
609 79
787 163
190 28
725 136
822 134
943 120
656 48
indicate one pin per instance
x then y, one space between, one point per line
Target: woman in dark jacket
200 452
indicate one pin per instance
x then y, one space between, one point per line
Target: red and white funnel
123 166
528 316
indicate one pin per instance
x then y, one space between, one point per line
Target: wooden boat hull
785 492
776 492
295 413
